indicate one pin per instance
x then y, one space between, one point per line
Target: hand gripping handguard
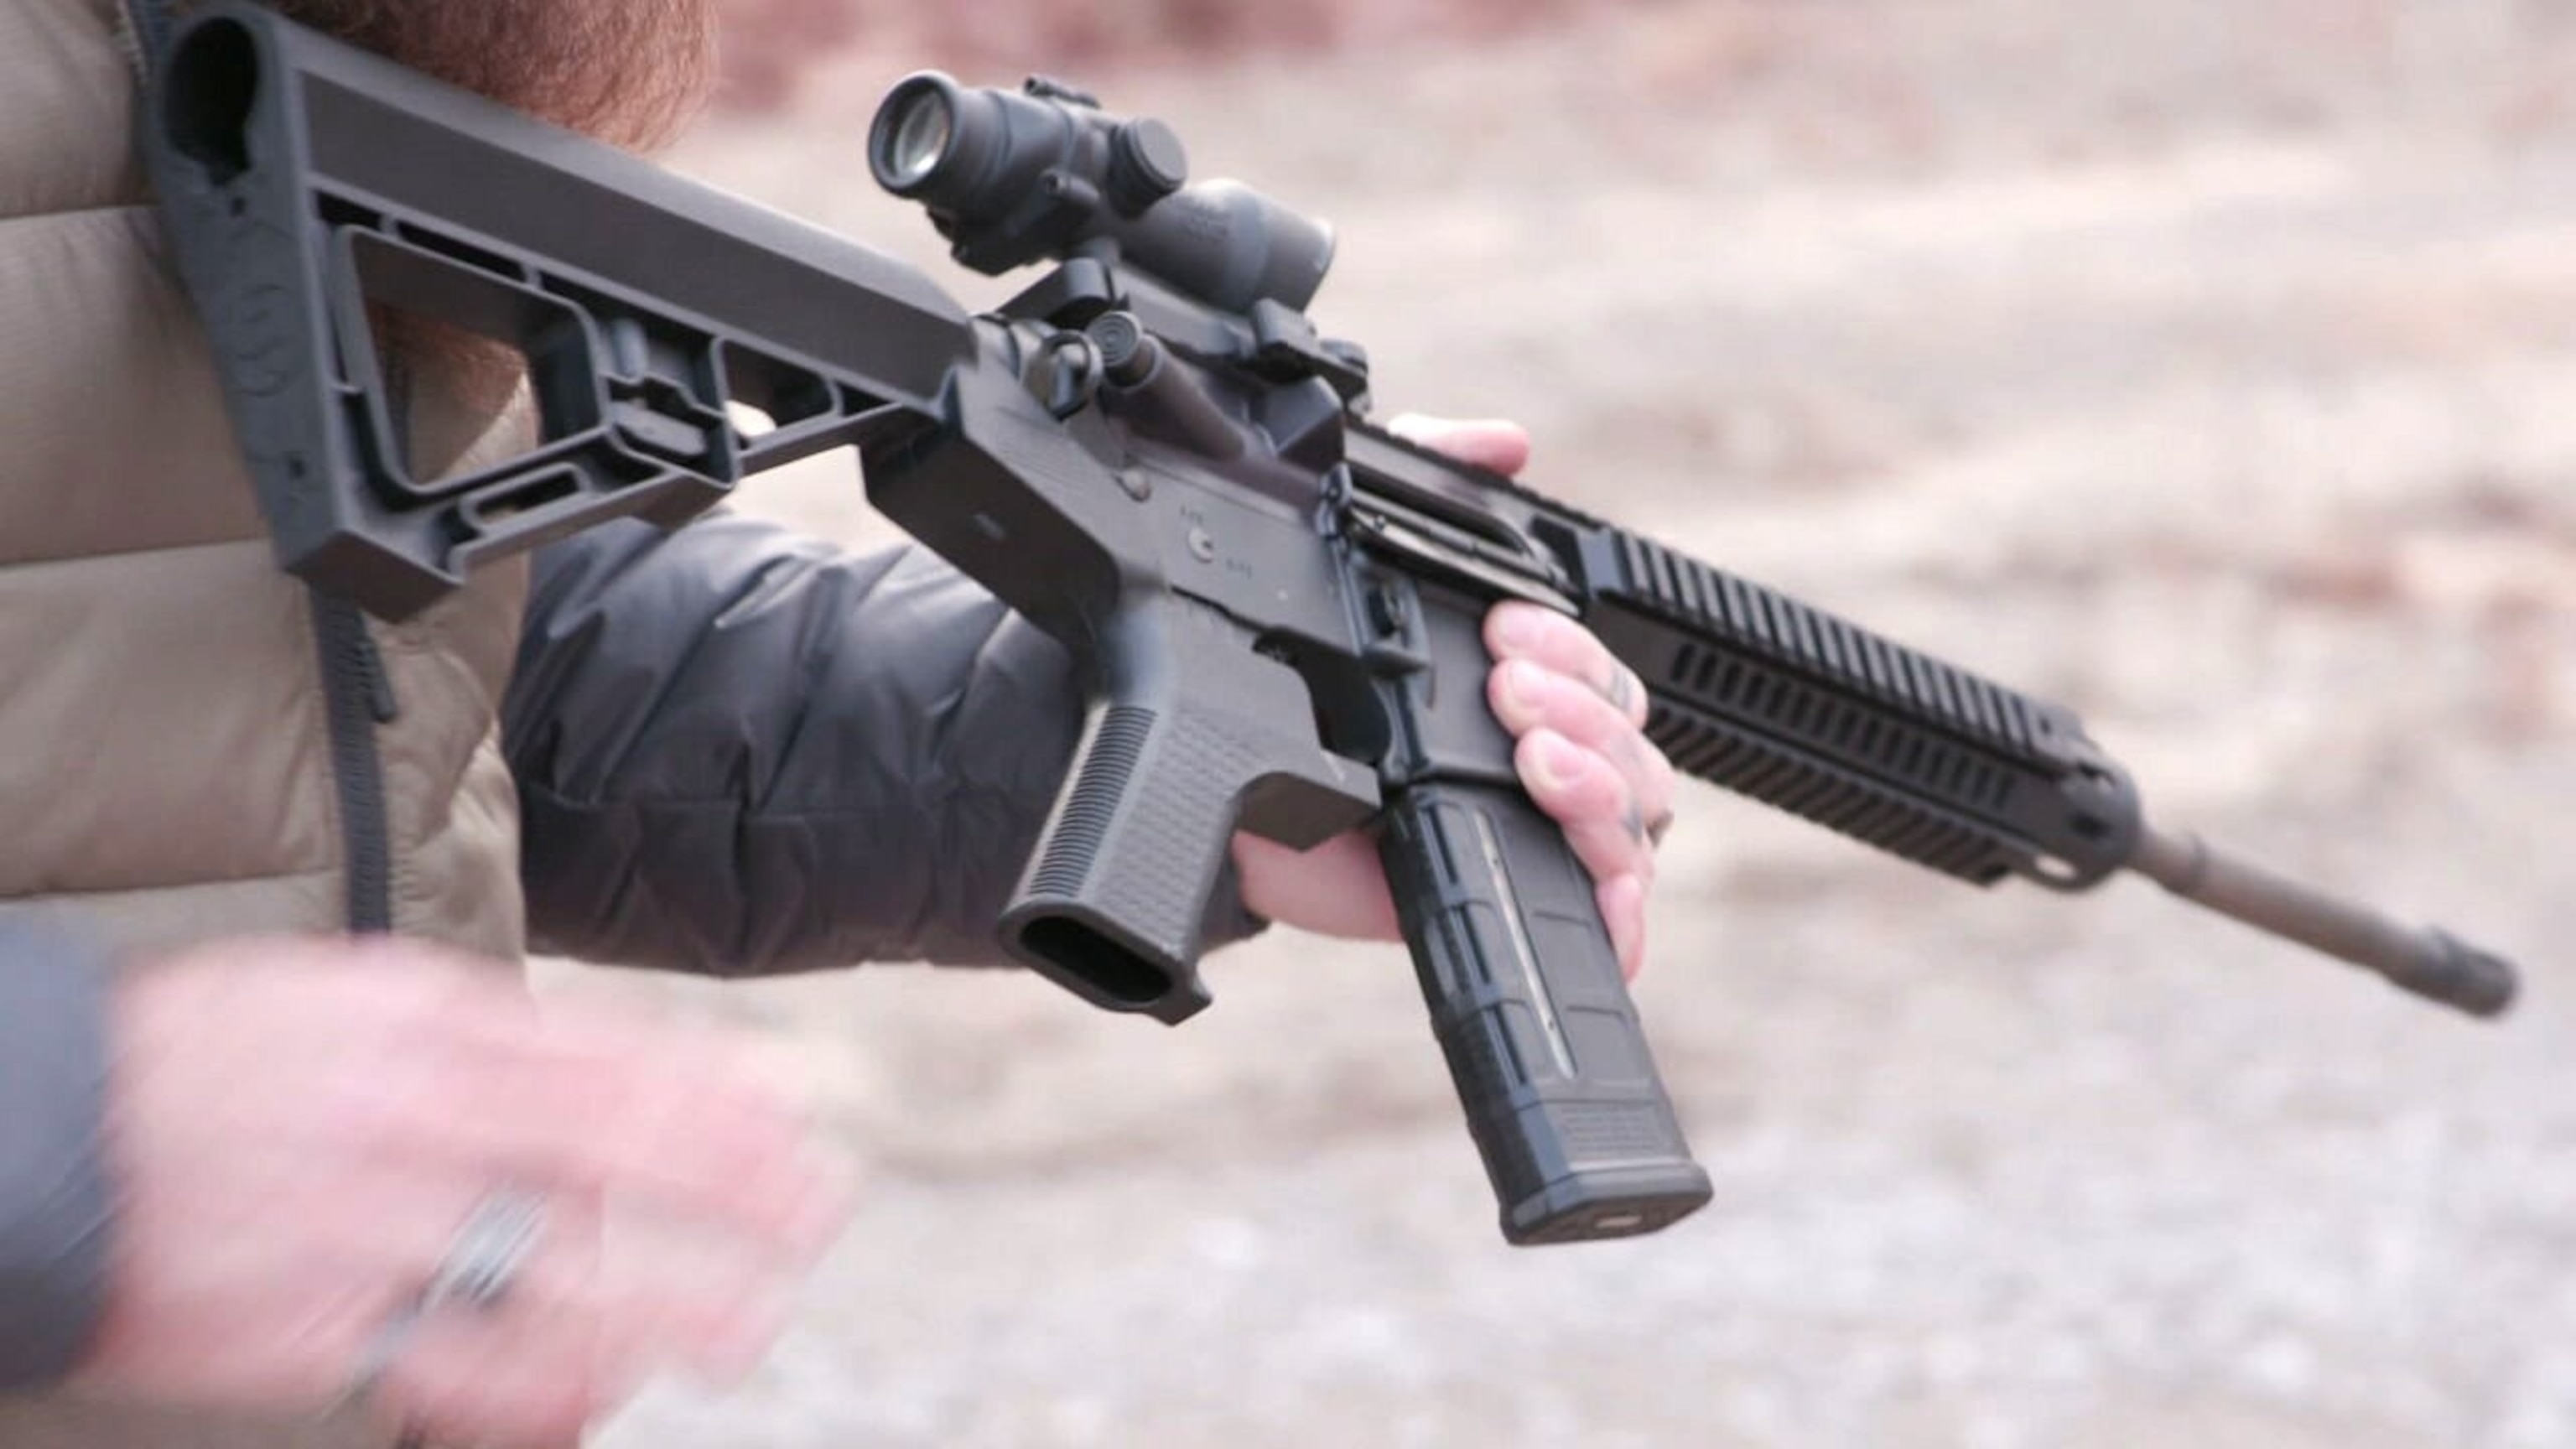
1153 455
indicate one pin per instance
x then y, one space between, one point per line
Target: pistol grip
1113 898
1206 735
1527 1000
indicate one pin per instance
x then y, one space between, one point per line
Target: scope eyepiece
910 149
1014 177
937 142
977 153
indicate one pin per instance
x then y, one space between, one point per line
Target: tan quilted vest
166 763
165 759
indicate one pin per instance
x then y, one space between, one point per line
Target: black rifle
1154 456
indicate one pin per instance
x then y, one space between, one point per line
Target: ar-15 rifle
1154 456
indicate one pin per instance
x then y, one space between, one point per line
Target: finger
1336 889
1550 639
458 1378
614 1057
648 1293
670 1137
669 1295
1623 910
670 1298
557 1353
1588 800
1527 696
1491 443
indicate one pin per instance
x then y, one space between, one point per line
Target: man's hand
299 1128
1579 715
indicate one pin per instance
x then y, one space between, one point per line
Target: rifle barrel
2425 960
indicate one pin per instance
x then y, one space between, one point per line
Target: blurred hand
1579 716
297 1128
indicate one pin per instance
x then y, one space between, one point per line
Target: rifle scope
1042 173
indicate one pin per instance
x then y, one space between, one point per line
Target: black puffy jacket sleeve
743 751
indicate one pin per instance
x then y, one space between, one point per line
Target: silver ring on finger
485 1256
482 1262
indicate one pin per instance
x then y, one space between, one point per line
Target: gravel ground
2207 366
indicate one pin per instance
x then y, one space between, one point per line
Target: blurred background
2208 365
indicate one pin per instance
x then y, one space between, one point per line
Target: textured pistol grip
1117 890
1534 1017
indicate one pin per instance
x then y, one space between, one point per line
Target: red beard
627 71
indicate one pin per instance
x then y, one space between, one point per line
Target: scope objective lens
921 138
